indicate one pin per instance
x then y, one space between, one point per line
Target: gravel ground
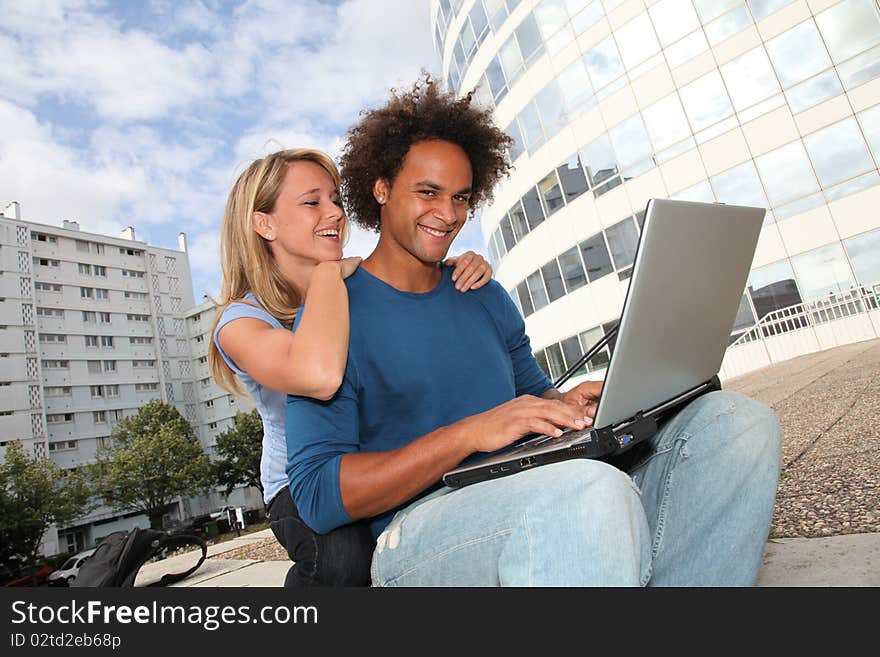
829 407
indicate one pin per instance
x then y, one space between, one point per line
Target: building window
63 446
59 418
56 364
53 337
100 270
101 293
47 287
86 293
46 262
84 269
91 340
596 258
88 316
106 340
94 366
143 387
553 280
99 417
109 366
104 318
57 391
97 391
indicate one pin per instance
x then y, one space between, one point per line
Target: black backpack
119 557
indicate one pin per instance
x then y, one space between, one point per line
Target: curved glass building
774 103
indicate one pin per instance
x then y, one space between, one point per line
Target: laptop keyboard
568 437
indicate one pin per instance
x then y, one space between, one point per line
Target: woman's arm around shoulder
309 361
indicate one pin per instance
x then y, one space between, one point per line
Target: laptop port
527 462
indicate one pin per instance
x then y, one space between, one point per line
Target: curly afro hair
376 147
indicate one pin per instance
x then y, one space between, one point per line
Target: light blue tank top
270 404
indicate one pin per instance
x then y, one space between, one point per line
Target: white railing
806 328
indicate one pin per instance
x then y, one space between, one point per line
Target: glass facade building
773 103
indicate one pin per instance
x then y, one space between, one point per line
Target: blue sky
143 113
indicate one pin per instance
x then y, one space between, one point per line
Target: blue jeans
694 510
340 558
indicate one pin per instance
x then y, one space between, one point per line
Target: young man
434 377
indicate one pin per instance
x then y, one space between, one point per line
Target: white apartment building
771 103
92 327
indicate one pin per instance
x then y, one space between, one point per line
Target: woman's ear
380 191
263 226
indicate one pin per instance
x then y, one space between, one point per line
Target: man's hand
500 426
584 397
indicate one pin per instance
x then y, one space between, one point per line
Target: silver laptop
690 270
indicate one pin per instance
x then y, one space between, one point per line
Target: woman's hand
472 271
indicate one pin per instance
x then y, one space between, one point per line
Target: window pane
536 289
551 108
823 273
532 205
744 315
700 192
798 54
507 233
849 28
750 78
517 148
541 358
637 41
554 358
623 238
688 48
709 9
596 257
572 178
574 85
666 122
528 36
479 21
551 193
495 77
786 173
525 301
530 125
587 18
673 19
739 186
572 269
630 142
860 69
511 59
762 8
518 221
705 101
729 24
553 280
870 121
571 350
814 91
587 340
551 16
838 152
598 160
603 63
864 253
773 287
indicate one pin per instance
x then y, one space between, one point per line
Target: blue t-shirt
269 403
416 362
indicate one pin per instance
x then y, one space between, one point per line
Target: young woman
281 247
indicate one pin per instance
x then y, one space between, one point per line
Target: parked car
68 570
26 577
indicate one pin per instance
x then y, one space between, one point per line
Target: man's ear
264 226
381 191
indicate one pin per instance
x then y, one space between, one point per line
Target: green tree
154 458
240 448
34 494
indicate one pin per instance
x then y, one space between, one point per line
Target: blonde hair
247 261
